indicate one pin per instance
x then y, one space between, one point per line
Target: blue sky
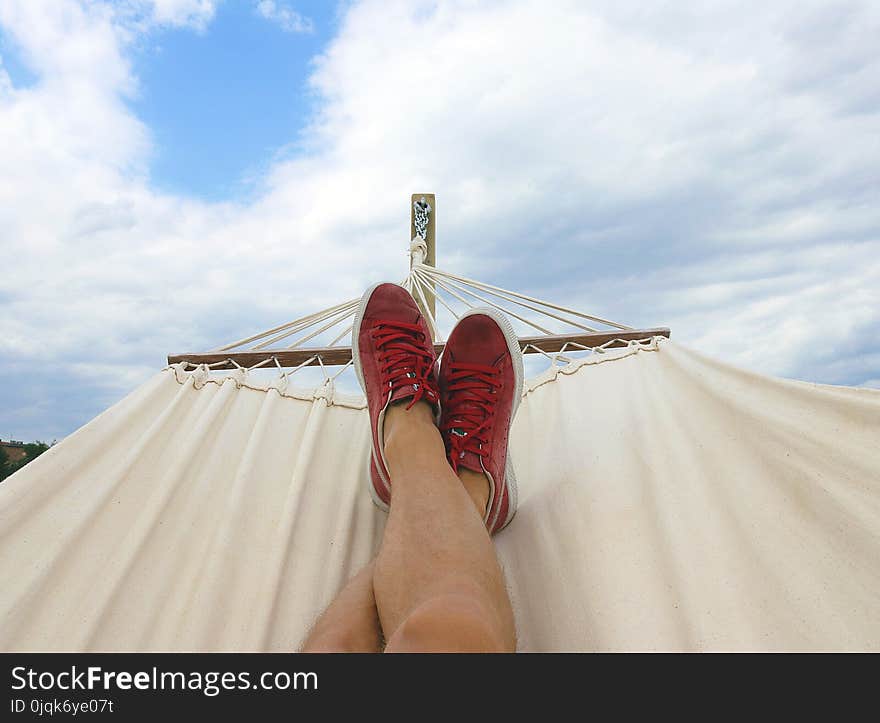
18 71
223 103
178 173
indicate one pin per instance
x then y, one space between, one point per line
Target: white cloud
180 13
714 171
289 20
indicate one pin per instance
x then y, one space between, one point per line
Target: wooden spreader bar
337 355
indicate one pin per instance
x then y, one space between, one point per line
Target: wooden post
429 202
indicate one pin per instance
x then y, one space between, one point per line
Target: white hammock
667 501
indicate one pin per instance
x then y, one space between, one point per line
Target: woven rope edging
328 392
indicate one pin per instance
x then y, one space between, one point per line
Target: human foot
480 384
393 354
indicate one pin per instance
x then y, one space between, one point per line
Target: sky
175 174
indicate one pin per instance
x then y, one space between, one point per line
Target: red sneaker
481 377
393 354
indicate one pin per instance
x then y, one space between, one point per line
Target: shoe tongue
404 392
408 391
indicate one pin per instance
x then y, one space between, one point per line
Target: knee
450 623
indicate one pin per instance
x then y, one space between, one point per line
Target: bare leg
437 581
350 624
477 487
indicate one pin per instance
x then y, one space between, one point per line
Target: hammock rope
321 338
450 290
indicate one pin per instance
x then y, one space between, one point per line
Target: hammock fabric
667 501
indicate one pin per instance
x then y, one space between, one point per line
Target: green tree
32 450
5 465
